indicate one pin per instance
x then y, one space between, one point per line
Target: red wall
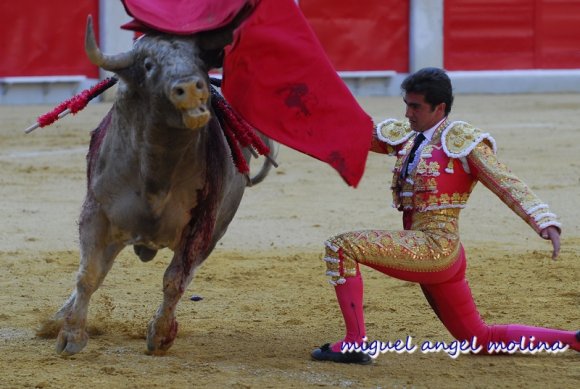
362 35
45 38
515 34
559 30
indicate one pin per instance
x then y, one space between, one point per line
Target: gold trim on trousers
430 245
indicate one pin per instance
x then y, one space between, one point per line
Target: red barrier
515 34
45 38
368 35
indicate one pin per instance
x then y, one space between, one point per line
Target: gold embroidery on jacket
510 189
425 184
428 169
459 138
394 131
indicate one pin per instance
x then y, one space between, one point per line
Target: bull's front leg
97 257
162 329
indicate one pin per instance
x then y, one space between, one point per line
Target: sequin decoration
432 244
510 189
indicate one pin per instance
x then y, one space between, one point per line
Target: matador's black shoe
325 353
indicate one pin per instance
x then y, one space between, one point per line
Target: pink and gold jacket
457 157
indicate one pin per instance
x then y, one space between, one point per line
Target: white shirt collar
429 133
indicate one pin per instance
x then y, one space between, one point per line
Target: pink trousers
450 297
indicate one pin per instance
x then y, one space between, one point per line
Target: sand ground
266 302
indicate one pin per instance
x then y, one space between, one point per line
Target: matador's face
422 116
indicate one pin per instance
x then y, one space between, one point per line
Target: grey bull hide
160 175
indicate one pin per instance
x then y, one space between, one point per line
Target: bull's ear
221 37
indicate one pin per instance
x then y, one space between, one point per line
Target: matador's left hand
553 234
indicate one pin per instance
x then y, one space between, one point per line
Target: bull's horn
107 62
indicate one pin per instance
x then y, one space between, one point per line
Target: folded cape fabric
182 17
278 77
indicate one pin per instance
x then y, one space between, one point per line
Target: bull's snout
191 97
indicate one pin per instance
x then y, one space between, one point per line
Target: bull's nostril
199 84
179 91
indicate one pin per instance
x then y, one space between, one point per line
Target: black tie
418 140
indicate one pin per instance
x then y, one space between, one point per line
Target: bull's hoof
160 336
145 254
71 342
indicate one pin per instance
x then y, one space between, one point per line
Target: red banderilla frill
72 105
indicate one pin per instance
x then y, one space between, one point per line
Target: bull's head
165 72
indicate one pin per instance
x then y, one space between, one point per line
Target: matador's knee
339 264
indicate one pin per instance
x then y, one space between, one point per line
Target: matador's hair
434 84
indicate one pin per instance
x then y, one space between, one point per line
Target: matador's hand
553 234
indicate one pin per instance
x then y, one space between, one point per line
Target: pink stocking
453 303
350 299
515 332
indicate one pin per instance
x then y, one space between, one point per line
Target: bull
159 175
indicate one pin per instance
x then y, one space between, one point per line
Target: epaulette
460 138
393 132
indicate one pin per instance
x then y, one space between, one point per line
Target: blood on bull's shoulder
160 174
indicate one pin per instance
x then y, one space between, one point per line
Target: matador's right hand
553 234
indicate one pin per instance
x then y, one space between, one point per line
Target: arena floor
266 302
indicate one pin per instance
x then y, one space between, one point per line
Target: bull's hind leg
162 329
97 256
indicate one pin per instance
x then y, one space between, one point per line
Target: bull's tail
267 165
